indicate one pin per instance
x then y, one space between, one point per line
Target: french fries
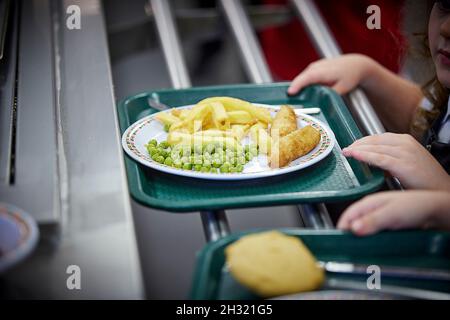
233 104
219 116
167 118
261 138
225 122
215 133
219 113
240 117
239 131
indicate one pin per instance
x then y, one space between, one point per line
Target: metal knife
162 107
157 105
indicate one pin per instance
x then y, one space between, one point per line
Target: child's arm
398 210
394 98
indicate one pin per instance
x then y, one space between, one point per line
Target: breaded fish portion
294 146
284 123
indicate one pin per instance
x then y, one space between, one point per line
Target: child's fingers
391 139
358 209
308 77
382 161
341 88
388 216
397 210
373 222
393 151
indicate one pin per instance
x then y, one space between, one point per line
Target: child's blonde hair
417 16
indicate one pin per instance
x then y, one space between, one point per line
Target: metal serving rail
327 47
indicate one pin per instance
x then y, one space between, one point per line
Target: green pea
239 168
176 148
198 149
160 159
217 163
210 148
197 167
152 151
155 157
185 160
153 142
207 157
168 161
254 151
232 170
224 169
248 156
207 163
166 127
214 170
186 151
177 164
198 160
205 169
187 166
164 145
175 155
219 151
163 152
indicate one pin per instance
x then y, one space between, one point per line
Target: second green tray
333 179
212 280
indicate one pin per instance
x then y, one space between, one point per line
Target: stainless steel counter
69 160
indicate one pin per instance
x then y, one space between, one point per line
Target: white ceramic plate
141 132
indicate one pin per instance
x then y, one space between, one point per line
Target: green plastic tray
212 281
333 179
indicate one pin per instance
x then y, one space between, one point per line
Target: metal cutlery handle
388 271
162 107
157 105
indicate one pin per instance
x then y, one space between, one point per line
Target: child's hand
404 158
343 74
397 210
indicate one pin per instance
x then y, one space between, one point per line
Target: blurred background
61 158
